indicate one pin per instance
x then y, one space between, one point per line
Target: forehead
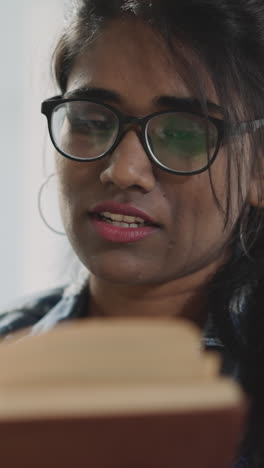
131 59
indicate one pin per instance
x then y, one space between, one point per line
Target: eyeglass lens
83 129
179 141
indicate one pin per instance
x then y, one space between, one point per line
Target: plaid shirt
40 313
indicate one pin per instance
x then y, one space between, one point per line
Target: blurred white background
32 257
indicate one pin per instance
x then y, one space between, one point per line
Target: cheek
65 182
74 177
198 209
229 188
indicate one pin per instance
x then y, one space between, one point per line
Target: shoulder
28 311
41 312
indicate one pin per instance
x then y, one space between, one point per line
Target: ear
255 197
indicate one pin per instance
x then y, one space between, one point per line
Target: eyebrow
94 93
194 103
169 101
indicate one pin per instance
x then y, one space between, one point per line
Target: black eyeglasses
178 141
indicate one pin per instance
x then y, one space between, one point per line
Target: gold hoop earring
41 211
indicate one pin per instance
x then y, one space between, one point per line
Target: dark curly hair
227 37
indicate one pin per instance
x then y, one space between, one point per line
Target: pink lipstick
121 223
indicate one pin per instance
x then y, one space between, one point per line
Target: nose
129 166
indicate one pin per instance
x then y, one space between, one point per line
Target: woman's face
134 64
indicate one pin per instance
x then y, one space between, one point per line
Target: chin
123 270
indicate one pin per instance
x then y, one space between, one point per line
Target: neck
183 298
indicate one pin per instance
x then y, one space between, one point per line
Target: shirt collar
73 304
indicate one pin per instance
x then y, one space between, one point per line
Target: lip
121 235
123 209
118 234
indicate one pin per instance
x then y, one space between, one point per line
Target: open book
115 393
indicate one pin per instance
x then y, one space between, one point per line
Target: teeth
115 223
121 218
123 225
132 219
114 217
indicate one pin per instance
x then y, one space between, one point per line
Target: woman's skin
166 273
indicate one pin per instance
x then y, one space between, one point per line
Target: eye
185 134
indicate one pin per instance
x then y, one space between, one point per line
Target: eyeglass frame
126 122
